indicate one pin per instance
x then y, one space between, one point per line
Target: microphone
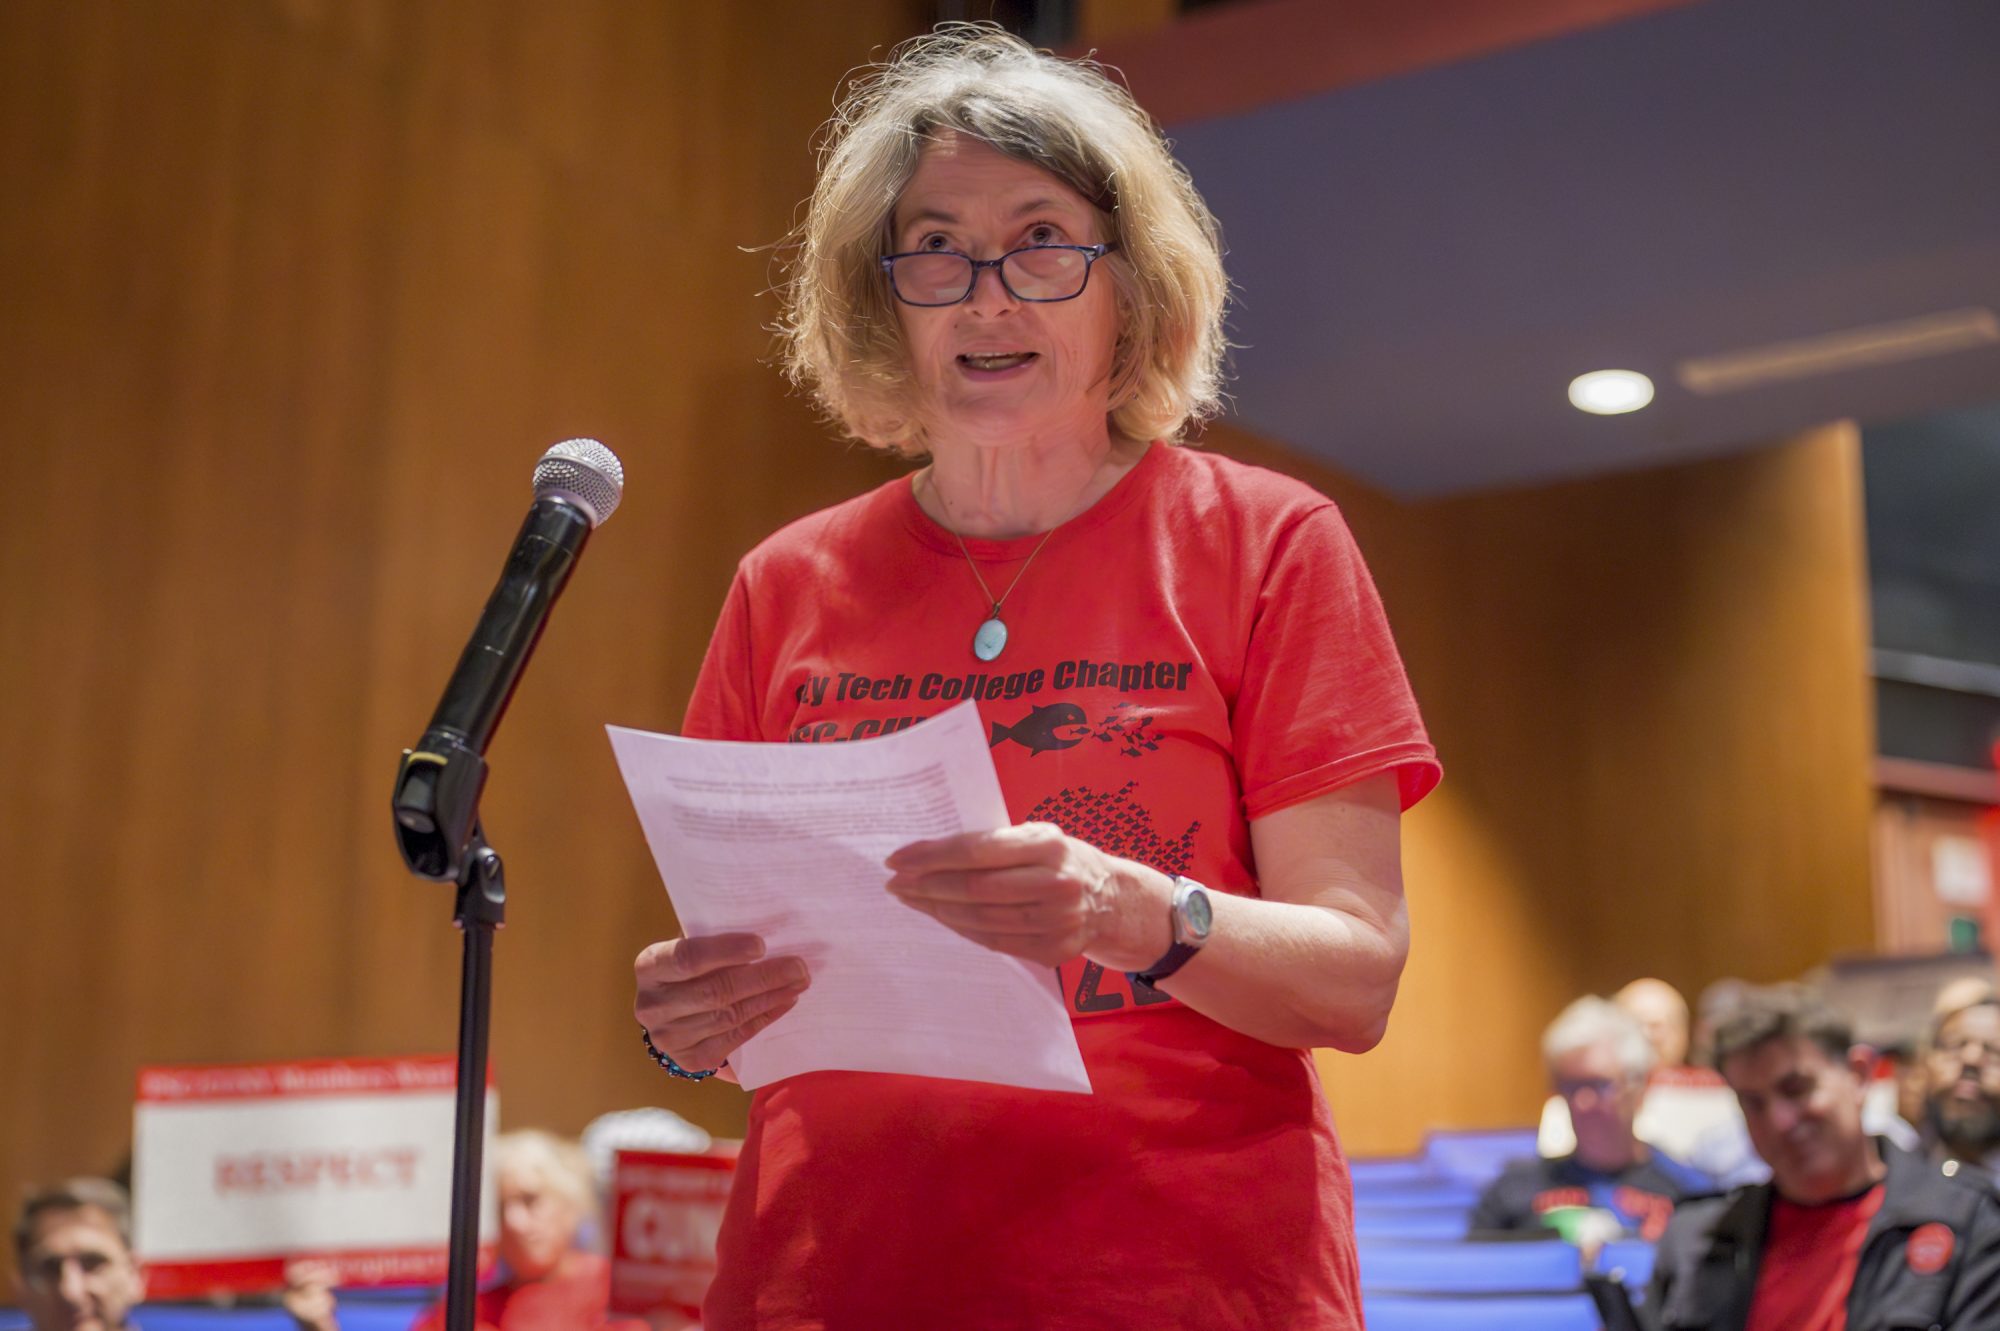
578 484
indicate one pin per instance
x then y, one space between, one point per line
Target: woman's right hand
699 998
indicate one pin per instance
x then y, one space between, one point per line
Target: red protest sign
666 1209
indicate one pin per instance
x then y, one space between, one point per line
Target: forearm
1311 961
1290 974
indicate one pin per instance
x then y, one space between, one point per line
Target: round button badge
1929 1248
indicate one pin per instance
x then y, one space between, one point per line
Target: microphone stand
437 793
436 801
480 910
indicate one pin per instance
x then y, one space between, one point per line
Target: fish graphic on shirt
1041 731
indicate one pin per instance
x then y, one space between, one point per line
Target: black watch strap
1177 957
1190 922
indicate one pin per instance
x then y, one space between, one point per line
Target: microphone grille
585 472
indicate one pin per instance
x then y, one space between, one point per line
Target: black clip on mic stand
436 803
437 810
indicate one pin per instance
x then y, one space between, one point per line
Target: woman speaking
1198 716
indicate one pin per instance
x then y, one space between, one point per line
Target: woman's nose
988 291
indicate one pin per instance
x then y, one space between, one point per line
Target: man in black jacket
1852 1233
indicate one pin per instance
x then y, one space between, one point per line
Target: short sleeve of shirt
724 704
1324 700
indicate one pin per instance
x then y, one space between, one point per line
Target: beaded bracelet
669 1064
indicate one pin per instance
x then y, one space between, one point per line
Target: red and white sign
238 1169
666 1210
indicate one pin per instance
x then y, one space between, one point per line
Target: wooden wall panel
297 290
1650 692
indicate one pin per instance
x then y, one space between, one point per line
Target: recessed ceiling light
1610 392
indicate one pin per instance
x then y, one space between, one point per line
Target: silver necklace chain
990 639
995 613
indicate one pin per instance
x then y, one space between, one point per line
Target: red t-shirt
1810 1255
575 1297
1201 647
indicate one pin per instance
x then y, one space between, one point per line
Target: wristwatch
1191 920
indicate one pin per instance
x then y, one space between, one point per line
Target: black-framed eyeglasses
1601 1087
1967 1049
1033 273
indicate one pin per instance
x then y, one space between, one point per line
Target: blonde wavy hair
560 1165
838 331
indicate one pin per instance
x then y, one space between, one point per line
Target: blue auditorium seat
1489 1312
1458 1267
380 1316
203 1317
1408 1223
1476 1158
1391 1169
1428 1193
357 1313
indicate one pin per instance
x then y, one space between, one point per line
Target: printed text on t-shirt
849 686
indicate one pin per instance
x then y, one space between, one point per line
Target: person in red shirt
545 1284
1198 717
1852 1231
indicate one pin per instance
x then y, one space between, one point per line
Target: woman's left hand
1033 892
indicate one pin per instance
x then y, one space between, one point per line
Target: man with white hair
1688 1113
1598 1060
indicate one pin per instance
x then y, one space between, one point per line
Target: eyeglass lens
1052 273
1967 1050
1601 1087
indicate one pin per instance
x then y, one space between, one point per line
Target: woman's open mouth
994 362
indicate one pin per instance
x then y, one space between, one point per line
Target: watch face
1195 911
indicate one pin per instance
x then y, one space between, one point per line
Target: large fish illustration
1058 725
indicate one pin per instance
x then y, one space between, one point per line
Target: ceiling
1424 259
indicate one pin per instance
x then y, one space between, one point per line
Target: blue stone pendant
991 639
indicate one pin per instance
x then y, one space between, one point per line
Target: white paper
787 841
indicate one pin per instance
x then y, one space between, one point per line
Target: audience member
1688 1112
1962 992
1851 1231
1598 1059
649 1129
1663 1014
1962 1081
1652 1003
1711 1009
680 1293
73 1257
546 1283
1912 1079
